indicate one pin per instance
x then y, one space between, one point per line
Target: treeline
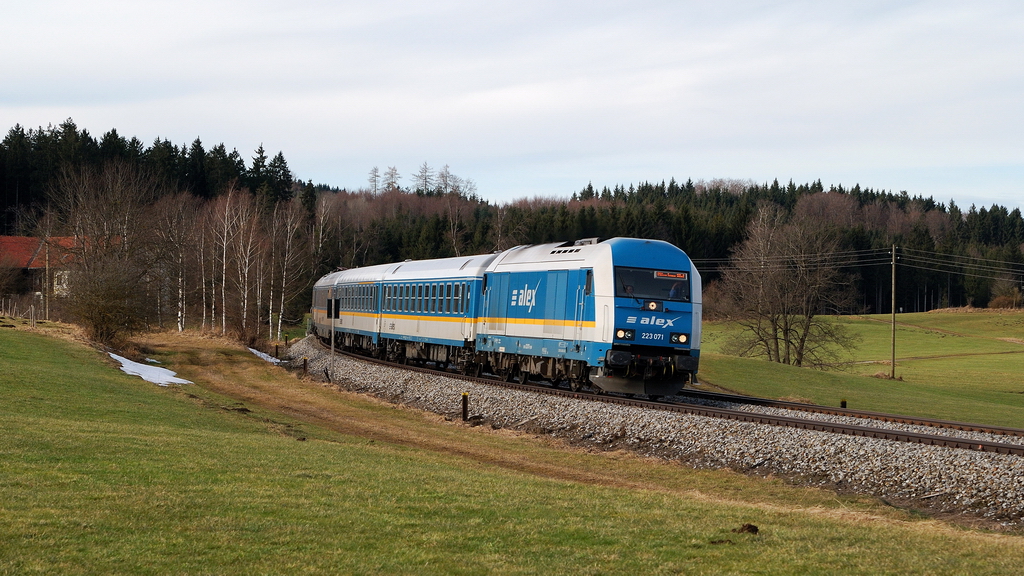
217 230
946 256
31 160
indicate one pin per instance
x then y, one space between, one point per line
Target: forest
227 243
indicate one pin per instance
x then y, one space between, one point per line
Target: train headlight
679 338
624 334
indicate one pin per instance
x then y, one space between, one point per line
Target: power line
973 267
941 266
968 274
791 257
982 261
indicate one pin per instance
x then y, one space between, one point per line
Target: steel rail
817 408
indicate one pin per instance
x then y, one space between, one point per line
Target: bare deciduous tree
176 232
374 179
247 254
506 231
783 281
424 178
286 228
391 178
455 190
112 251
224 223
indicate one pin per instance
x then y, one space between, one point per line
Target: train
617 315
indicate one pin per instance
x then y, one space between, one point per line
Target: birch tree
287 238
225 223
246 256
175 229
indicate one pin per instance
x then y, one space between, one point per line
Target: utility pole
46 280
333 309
892 366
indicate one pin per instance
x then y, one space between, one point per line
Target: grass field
251 470
966 366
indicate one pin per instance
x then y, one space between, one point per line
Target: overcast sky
538 98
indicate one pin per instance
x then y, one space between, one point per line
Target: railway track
774 420
818 409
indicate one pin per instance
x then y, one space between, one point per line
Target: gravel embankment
943 479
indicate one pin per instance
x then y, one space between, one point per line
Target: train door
584 289
496 303
555 312
464 303
377 300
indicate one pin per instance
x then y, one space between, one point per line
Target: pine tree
257 173
280 178
196 179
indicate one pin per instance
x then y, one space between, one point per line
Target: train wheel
523 377
574 385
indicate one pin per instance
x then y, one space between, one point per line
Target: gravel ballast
943 479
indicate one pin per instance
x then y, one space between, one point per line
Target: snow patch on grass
154 374
266 357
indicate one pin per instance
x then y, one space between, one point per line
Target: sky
536 99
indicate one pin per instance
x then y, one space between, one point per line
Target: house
25 262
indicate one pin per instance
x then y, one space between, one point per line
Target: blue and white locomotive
620 315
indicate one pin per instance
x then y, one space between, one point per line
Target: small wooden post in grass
305 365
465 406
842 403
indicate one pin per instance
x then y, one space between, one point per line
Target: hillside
253 470
955 365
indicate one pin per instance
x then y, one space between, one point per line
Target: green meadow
966 366
252 470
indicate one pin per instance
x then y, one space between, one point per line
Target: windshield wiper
631 295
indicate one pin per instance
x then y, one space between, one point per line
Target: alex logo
652 320
525 297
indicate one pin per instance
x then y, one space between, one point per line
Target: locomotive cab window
652 284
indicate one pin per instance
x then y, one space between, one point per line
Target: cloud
529 97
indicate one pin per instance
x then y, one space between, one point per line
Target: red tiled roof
18 251
26 252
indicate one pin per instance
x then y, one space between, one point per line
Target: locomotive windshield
652 284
